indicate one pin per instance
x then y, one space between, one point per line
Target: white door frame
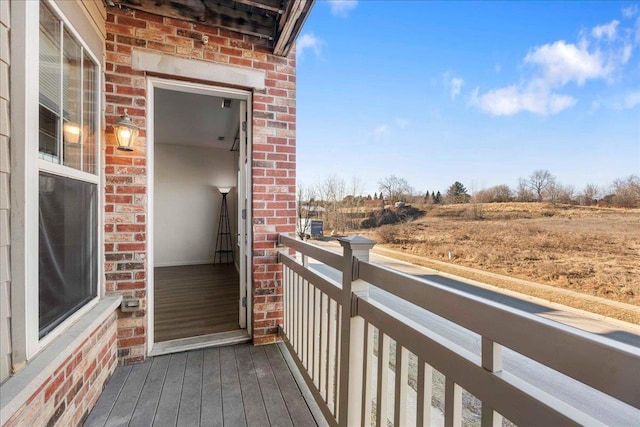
243 193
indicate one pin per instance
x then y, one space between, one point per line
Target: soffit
276 23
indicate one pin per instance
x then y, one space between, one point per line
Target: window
68 182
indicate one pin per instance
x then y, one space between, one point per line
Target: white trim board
201 70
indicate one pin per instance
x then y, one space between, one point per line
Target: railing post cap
358 242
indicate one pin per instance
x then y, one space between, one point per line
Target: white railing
367 364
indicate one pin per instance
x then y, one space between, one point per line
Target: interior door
244 191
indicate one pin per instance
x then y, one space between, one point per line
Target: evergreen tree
437 198
457 193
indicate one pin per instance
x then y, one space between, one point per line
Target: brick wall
126 172
69 394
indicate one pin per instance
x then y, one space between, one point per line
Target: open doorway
199 172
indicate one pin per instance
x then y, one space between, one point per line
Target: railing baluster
425 391
305 323
452 403
383 379
492 362
324 339
367 374
331 357
402 366
317 313
336 373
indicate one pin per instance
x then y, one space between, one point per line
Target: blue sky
478 92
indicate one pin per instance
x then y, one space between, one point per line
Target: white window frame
26 165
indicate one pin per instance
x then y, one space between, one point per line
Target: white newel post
352 332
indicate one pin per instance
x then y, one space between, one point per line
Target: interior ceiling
182 118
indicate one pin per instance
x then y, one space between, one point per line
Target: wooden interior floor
226 386
195 300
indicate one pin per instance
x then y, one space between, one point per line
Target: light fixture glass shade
71 132
224 190
126 132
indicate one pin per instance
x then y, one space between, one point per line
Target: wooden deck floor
195 300
240 385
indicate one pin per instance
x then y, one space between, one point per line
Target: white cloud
512 100
563 62
308 42
606 30
342 7
630 11
381 131
456 86
631 100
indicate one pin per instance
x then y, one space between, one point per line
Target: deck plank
226 386
273 401
252 399
129 395
150 396
189 412
167 413
233 410
293 397
106 402
211 415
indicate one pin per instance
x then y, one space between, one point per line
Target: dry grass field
593 250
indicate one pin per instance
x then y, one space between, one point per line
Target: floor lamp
224 242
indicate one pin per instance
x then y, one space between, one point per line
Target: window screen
68 248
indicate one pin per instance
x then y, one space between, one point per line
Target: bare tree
306 208
394 188
523 192
332 191
558 193
496 194
539 181
590 194
627 192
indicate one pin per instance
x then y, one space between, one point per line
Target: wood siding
5 202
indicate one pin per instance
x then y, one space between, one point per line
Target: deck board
191 399
227 386
167 413
211 415
233 408
255 411
147 404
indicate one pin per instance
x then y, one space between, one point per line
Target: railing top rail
329 258
598 362
526 402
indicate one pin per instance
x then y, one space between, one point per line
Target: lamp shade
126 132
224 190
71 132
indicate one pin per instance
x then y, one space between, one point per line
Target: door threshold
219 339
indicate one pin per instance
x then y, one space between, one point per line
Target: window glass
50 79
72 101
68 248
90 108
68 98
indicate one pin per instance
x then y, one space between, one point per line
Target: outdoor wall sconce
126 132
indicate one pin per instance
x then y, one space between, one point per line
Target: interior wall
187 202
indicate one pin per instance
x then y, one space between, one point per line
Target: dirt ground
592 250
